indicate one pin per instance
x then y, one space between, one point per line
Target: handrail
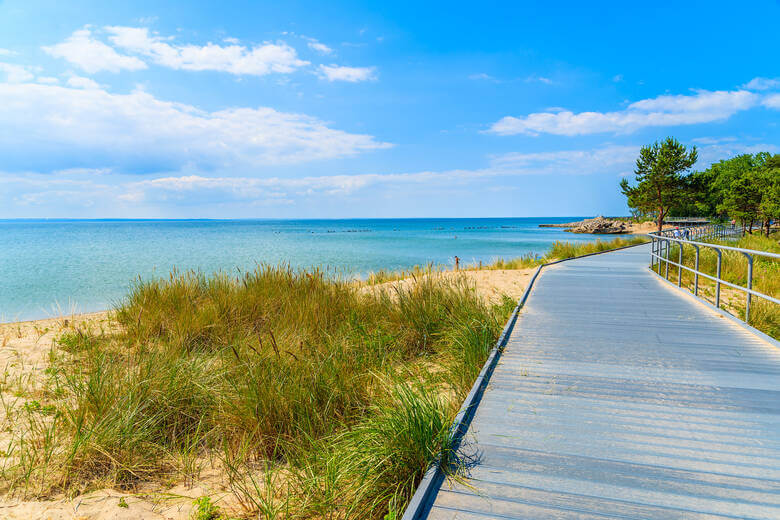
661 248
688 219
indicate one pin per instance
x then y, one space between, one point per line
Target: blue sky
347 109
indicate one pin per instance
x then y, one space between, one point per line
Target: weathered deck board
620 397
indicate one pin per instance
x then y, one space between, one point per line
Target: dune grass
314 398
277 368
764 315
563 250
558 251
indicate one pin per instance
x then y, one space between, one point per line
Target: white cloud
351 74
610 159
92 128
713 140
772 101
82 82
539 79
482 76
319 47
762 84
110 190
92 55
47 80
236 59
607 159
711 153
16 73
7 52
617 78
701 107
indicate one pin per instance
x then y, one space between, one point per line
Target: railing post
666 252
717 282
652 253
749 286
696 273
679 264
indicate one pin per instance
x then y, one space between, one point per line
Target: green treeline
745 188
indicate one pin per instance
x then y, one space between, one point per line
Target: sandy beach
25 348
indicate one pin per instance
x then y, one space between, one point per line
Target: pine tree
660 184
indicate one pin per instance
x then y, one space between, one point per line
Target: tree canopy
659 175
745 187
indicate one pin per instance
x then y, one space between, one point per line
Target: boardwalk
619 397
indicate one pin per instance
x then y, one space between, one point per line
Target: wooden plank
619 397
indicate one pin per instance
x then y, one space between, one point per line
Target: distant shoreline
87 264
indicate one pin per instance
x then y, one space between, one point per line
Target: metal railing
704 232
661 249
683 220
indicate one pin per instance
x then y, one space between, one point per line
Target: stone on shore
596 226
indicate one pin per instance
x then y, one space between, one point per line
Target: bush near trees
745 188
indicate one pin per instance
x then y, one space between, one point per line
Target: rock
597 226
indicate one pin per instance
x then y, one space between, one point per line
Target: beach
60 267
442 320
25 354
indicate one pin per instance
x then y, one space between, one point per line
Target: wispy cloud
267 58
319 46
91 127
91 55
350 74
772 101
668 110
606 159
762 84
82 82
16 73
107 188
539 79
481 76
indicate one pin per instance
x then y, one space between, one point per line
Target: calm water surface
49 267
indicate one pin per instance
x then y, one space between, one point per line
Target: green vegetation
558 251
745 188
764 315
660 184
205 509
313 397
348 393
561 250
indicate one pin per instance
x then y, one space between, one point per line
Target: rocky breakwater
596 226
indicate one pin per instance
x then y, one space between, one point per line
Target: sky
345 109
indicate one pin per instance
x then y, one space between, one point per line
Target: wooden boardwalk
619 396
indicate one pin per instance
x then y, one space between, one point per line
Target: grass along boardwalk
618 396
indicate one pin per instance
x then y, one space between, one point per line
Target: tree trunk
660 219
767 227
750 227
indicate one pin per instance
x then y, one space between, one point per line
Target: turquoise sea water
51 267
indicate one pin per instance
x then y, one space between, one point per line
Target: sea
59 267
